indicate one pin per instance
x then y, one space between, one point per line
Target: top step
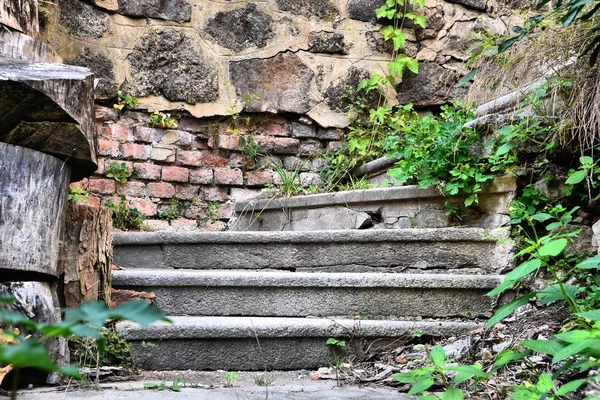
382 208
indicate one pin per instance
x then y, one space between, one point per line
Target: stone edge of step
228 278
502 184
276 327
337 236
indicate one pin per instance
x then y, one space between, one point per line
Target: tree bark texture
33 197
86 254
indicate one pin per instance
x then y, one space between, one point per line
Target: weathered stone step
243 343
454 250
382 208
305 294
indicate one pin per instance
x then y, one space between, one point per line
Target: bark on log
86 254
33 196
21 15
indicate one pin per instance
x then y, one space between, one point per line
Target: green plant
336 345
116 350
125 217
442 369
148 348
118 171
289 184
125 100
174 211
212 211
162 120
230 377
23 340
174 387
250 150
76 194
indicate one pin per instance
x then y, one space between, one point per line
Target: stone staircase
256 300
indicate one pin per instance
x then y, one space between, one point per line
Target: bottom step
262 343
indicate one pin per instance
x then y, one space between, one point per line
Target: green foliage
162 120
76 194
118 171
24 347
125 217
438 151
289 182
250 150
125 100
116 350
212 211
587 174
174 211
230 377
567 13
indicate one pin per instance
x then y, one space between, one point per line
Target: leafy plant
125 100
250 150
116 350
162 120
118 171
212 211
125 217
338 359
289 184
230 377
22 344
174 211
76 194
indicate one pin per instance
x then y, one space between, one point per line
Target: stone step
382 208
262 343
306 294
447 250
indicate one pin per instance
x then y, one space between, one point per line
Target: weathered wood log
18 46
33 196
21 15
33 94
86 254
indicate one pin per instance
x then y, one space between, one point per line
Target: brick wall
199 163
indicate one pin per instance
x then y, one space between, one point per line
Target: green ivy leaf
437 355
544 383
452 394
553 248
420 21
421 386
576 177
573 349
589 263
543 346
553 293
594 315
508 309
570 387
575 336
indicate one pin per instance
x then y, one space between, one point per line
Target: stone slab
242 343
453 250
424 208
368 295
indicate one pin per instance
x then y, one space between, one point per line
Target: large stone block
168 63
322 9
364 10
432 86
241 28
102 68
170 10
281 83
82 20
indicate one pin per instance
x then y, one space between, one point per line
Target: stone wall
287 64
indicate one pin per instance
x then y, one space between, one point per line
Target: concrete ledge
183 278
237 343
297 294
464 250
503 184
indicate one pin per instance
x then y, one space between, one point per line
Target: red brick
81 185
104 114
228 142
135 151
226 176
214 160
121 133
108 148
144 205
194 125
137 189
236 160
166 154
162 190
193 158
102 186
175 174
225 211
279 145
182 224
102 168
93 201
215 193
258 178
148 135
147 171
187 192
103 131
203 176
278 129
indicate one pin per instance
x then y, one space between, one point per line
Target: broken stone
478 5
102 68
170 10
281 83
327 42
376 42
168 63
434 23
421 90
322 9
241 28
364 10
82 20
303 131
342 95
